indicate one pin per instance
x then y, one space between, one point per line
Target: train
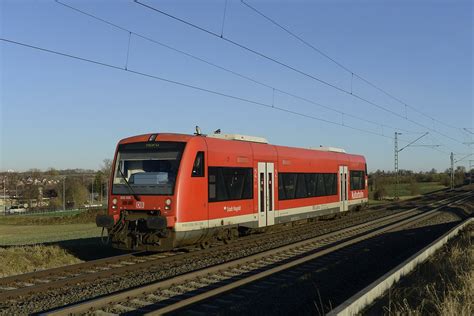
171 190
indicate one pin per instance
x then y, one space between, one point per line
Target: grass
424 187
443 285
35 242
57 213
21 230
18 260
53 218
34 234
404 191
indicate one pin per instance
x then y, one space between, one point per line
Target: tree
459 175
445 180
106 167
99 184
52 172
31 192
76 192
55 203
380 188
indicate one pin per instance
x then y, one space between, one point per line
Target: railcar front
143 186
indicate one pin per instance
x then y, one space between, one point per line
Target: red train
170 190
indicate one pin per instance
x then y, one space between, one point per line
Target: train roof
224 137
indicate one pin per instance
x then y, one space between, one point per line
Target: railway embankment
36 242
443 285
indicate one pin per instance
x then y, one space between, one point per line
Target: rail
182 291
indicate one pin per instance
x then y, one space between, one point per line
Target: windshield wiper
129 186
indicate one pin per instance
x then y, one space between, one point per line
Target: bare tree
106 167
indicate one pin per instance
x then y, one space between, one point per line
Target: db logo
140 204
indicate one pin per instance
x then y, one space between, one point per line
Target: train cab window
198 166
228 183
357 180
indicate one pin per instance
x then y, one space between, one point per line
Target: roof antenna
217 131
198 131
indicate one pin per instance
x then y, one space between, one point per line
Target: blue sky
64 113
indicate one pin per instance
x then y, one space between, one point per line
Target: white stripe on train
219 222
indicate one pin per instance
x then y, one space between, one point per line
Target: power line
467 156
223 18
319 51
242 46
130 32
214 92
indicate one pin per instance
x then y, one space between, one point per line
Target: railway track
179 292
45 280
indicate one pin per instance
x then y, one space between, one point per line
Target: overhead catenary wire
351 72
461 159
183 84
245 77
244 47
223 18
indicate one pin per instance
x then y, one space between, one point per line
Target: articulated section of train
171 190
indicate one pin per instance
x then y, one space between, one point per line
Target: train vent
326 148
245 138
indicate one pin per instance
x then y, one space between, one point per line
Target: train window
212 187
287 185
311 183
357 180
227 183
301 191
330 182
303 185
321 187
198 167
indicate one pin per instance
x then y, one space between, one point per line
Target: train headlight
114 201
168 204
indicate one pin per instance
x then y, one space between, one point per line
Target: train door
266 194
343 188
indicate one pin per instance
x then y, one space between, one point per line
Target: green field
404 190
34 234
29 229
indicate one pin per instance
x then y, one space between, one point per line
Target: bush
445 180
380 193
414 187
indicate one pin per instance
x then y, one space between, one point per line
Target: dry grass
23 259
444 285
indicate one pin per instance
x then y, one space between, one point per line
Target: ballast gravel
87 290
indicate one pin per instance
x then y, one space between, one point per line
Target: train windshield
147 168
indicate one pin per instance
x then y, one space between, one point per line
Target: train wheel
234 233
205 244
227 236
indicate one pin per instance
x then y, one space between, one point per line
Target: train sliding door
343 188
266 194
